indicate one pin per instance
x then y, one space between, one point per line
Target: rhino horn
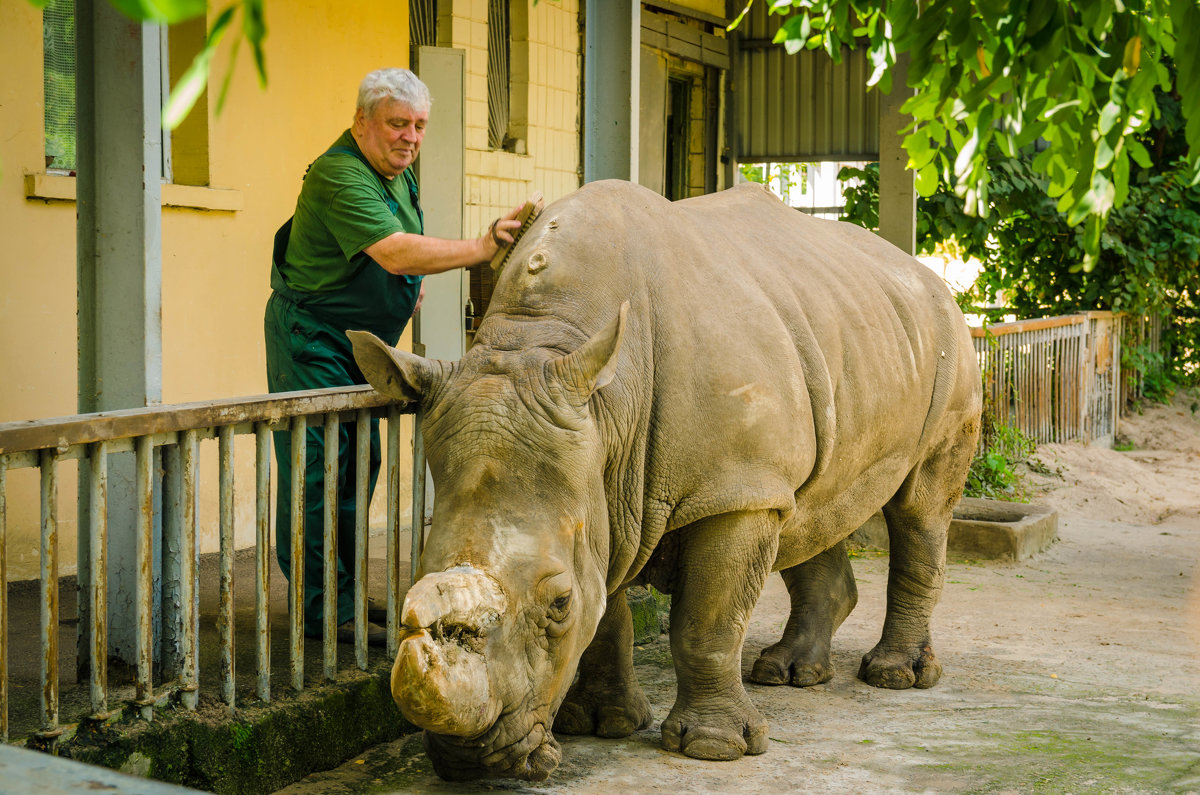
395 373
440 679
594 363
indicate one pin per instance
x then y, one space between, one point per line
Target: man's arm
417 255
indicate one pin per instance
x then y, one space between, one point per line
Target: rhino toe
898 671
573 718
606 720
770 669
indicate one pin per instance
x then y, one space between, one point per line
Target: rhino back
770 357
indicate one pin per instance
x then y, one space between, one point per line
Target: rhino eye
561 603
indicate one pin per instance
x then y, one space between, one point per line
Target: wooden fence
1059 378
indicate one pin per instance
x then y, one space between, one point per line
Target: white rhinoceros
690 394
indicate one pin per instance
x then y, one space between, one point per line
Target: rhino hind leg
823 593
918 521
606 699
722 565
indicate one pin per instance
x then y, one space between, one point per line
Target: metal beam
897 191
119 249
612 86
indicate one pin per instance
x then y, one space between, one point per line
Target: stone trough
984 529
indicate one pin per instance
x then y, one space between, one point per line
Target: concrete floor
1074 671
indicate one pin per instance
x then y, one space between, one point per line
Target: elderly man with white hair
352 257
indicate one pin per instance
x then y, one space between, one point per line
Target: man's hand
501 232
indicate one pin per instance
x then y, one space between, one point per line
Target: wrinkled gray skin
771 381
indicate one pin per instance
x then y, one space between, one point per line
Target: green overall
323 285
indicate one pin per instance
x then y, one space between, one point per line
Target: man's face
391 137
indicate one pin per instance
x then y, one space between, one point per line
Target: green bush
994 474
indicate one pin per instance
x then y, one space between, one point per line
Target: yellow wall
215 263
216 249
714 7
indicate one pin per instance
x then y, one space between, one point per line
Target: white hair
398 84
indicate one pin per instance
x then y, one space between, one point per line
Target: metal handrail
174 431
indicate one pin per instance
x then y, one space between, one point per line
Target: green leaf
195 79
1050 114
161 11
1139 153
1109 115
254 25
927 180
1040 12
1104 153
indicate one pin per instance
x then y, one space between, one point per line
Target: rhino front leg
723 562
606 699
823 593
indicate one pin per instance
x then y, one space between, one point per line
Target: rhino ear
595 362
395 373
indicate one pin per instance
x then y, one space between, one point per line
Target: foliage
195 80
1031 255
1004 74
994 474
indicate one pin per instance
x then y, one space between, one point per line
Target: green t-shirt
342 209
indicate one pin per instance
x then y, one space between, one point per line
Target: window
184 151
499 74
422 27
58 61
678 138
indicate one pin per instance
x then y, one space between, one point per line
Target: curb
255 749
983 529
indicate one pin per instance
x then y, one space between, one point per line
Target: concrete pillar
439 329
119 227
897 192
611 89
440 325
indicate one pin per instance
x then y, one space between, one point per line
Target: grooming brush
527 215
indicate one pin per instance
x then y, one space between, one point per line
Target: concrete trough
983 529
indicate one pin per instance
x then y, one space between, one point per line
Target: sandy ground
1075 671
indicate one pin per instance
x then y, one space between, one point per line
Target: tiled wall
545 104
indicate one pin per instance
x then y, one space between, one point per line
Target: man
352 257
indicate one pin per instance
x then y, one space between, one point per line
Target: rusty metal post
144 469
296 584
48 466
332 428
262 553
362 526
3 599
97 596
418 495
225 611
189 674
393 529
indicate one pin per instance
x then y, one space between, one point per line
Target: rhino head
512 582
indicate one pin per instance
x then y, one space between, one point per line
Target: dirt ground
1076 671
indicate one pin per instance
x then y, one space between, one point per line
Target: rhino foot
779 666
898 670
744 732
589 713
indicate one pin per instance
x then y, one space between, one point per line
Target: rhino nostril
459 633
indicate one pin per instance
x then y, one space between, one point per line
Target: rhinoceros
688 394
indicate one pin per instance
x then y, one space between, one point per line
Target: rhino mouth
531 758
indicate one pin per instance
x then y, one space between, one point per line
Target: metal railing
1054 378
169 436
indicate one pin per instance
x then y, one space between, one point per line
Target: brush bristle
528 214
